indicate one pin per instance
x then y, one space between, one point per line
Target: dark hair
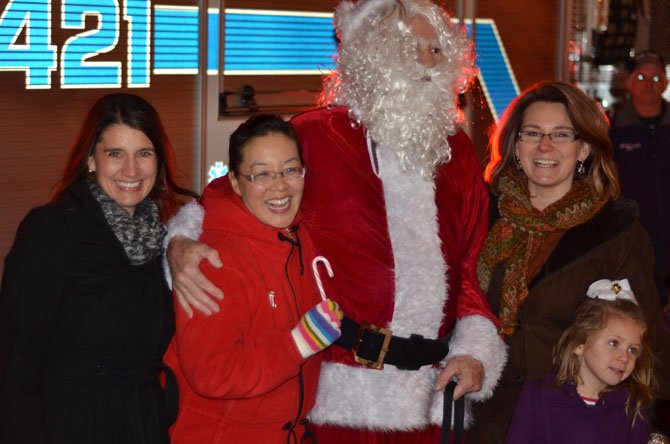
592 316
589 121
134 112
258 125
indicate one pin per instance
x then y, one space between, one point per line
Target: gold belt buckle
362 327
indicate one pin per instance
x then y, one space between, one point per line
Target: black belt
373 346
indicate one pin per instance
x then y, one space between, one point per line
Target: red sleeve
220 354
463 207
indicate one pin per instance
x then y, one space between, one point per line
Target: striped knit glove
318 328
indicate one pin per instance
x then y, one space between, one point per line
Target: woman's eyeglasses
267 177
556 137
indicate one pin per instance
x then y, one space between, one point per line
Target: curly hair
406 107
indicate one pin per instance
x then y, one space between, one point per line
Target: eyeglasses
556 137
289 174
641 78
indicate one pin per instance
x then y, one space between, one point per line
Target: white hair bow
611 290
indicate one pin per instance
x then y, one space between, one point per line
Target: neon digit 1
138 15
76 70
25 41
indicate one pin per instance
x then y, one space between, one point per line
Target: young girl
603 379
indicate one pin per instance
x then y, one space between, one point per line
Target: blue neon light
77 71
265 42
176 40
256 43
212 41
138 15
496 75
34 54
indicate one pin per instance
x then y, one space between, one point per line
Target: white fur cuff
187 222
478 337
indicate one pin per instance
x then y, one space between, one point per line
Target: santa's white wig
405 106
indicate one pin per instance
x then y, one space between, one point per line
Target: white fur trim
387 399
392 399
187 222
478 337
420 269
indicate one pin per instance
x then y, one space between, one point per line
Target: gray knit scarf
140 235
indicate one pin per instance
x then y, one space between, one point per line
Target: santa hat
350 16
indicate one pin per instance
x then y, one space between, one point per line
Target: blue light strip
273 42
137 13
495 72
212 41
257 42
175 40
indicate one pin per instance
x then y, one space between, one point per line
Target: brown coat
613 245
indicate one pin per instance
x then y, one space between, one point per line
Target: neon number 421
37 57
25 41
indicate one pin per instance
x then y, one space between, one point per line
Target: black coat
642 155
82 332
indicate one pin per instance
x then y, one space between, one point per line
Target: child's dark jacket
546 414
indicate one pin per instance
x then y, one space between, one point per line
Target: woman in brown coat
560 225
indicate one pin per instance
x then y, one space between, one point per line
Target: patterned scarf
140 235
518 235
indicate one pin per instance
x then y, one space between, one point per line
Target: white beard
414 118
406 107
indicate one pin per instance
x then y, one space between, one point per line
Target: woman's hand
192 288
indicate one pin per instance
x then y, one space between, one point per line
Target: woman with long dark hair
85 312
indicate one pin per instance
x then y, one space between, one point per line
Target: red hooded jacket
241 376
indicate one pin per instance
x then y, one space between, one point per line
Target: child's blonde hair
592 316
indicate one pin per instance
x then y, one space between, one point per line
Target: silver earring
580 168
518 163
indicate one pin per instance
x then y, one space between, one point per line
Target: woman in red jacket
249 373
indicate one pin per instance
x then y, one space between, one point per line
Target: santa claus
394 198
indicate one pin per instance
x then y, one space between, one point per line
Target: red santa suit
403 250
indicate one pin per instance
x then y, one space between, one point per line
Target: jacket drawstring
292 238
295 242
307 434
290 427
